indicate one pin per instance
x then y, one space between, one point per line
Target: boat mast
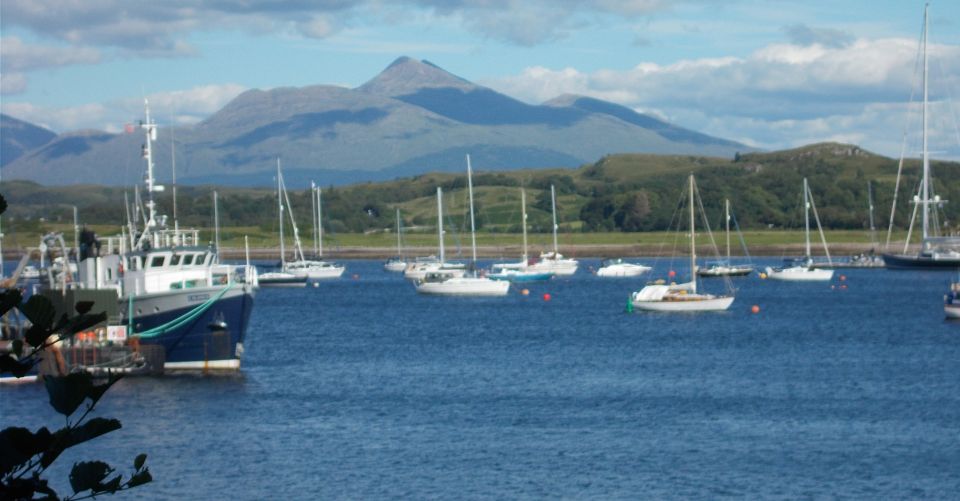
398 233
150 133
553 209
473 229
806 213
926 158
873 228
216 223
440 222
523 203
693 243
313 214
726 204
319 222
280 213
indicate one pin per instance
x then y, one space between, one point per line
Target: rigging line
907 126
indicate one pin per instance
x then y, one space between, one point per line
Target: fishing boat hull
205 328
622 270
692 303
800 274
464 286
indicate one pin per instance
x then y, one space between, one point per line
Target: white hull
800 274
559 267
417 271
280 279
691 303
951 310
314 270
465 286
622 270
395 266
231 365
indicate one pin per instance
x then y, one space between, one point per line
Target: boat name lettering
198 297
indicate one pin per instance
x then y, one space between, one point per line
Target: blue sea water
362 389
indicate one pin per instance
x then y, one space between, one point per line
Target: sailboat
520 274
553 260
447 284
864 259
681 297
617 267
804 270
420 267
281 277
312 269
935 251
725 268
398 263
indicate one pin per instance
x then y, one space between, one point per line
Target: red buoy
546 296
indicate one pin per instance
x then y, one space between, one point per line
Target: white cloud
17 56
780 96
180 107
12 83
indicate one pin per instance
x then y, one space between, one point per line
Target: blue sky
773 74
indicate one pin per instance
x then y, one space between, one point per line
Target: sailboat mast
693 242
216 223
473 230
553 209
440 222
319 222
398 233
280 212
926 158
873 227
806 213
313 213
726 204
523 203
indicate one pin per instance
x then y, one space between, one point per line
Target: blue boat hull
919 262
212 340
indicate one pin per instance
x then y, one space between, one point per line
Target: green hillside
618 193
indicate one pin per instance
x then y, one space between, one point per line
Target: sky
771 74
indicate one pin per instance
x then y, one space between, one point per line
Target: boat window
157 261
187 259
176 260
109 273
135 263
201 258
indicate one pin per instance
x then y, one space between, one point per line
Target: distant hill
624 192
412 118
17 137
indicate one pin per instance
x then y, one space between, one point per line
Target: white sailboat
804 270
420 267
312 269
399 263
509 271
951 301
553 260
281 278
681 297
725 268
439 283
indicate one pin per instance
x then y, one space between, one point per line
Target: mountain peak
406 75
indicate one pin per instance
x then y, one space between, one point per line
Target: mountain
18 137
413 117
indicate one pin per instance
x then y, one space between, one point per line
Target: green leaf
83 306
56 447
140 478
139 461
88 475
9 299
39 310
91 430
110 486
68 392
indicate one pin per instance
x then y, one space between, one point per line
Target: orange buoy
763 275
525 292
755 309
546 296
672 274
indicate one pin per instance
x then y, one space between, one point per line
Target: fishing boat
951 301
397 263
936 251
447 283
619 268
803 270
520 274
172 293
725 268
683 297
